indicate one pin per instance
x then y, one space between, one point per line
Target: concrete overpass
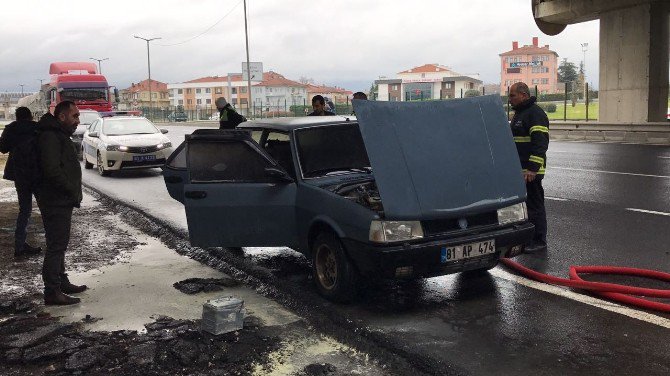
633 82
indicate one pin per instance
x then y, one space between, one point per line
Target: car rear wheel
334 275
101 167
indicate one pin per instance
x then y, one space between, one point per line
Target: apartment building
337 94
532 64
137 95
201 93
428 81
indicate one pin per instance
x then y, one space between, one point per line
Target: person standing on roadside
58 193
530 128
319 107
228 117
15 134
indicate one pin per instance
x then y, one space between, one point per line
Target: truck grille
442 226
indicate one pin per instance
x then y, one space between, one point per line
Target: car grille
157 162
442 226
142 149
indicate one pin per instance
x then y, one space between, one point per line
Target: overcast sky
348 43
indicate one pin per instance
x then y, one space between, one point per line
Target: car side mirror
164 131
93 134
278 174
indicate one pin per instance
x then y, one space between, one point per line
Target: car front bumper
119 160
423 259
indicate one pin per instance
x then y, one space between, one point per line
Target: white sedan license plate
143 158
464 251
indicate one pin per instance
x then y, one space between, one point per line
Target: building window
243 90
234 90
188 91
423 75
545 81
217 90
198 101
197 91
180 91
181 102
171 93
513 70
208 90
448 85
189 101
208 101
154 95
243 100
234 101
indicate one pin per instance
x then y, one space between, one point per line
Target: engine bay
365 194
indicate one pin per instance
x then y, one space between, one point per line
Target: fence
575 104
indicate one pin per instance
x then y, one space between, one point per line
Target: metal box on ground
222 315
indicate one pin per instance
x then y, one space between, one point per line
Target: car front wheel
87 165
334 275
101 167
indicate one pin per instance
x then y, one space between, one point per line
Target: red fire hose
611 291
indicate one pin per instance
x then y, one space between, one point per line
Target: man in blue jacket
15 134
530 128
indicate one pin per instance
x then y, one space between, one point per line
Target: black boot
58 298
68 288
29 250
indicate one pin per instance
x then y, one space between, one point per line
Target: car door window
278 146
177 161
226 162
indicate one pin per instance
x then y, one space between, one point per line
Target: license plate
470 250
143 158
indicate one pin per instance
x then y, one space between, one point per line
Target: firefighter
530 128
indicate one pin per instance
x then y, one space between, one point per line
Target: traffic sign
256 71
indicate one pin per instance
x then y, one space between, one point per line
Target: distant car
86 118
178 116
125 142
407 190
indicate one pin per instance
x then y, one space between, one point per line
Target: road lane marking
586 299
610 172
556 198
649 211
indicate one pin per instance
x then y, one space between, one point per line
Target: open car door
236 194
175 173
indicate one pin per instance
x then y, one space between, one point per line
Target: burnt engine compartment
365 194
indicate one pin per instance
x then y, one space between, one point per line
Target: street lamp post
99 60
585 47
246 37
22 85
148 65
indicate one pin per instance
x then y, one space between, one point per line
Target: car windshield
331 150
86 118
117 127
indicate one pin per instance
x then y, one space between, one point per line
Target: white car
124 142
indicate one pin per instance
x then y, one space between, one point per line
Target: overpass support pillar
634 64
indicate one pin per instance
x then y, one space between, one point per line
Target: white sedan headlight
394 231
164 145
511 214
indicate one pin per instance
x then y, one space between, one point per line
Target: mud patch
33 345
195 285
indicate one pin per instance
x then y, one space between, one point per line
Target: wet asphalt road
608 204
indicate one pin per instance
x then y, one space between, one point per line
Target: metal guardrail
605 127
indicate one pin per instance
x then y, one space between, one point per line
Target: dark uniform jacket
15 133
530 128
61 173
229 118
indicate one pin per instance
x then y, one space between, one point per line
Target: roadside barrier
612 291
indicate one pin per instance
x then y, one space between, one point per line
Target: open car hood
441 159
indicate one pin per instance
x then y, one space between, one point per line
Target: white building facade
427 82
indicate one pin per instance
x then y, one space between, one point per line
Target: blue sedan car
405 190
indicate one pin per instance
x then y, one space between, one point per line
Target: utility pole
585 47
149 66
99 60
246 37
22 85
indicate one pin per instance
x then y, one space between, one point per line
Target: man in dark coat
15 134
58 193
530 128
228 117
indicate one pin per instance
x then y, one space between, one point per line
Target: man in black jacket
58 193
319 106
228 117
15 134
530 128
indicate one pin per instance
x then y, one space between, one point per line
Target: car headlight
394 231
511 214
164 145
116 148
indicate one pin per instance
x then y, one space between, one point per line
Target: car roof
124 117
291 123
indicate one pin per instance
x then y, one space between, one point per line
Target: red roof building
536 66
